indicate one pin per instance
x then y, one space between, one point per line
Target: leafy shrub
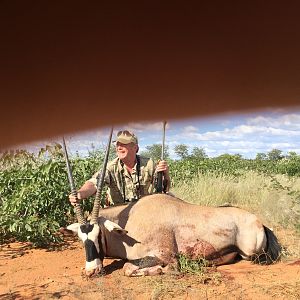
34 188
34 192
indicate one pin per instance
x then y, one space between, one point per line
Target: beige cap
126 137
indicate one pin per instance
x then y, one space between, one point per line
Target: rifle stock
159 186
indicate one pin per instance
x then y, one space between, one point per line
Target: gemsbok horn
78 209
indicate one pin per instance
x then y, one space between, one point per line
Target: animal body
152 232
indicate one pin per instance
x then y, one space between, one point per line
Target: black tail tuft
272 253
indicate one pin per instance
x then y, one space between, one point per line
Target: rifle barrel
163 140
160 180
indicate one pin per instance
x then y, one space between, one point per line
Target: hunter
129 176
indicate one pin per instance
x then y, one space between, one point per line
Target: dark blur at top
68 66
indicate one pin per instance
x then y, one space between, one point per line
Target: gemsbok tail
271 254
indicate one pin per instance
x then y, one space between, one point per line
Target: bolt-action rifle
161 184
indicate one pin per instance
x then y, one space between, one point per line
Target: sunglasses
124 132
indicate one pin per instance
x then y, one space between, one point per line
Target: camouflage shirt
123 186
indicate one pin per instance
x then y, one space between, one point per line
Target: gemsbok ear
74 227
120 231
113 227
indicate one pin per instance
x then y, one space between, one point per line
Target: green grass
192 266
275 199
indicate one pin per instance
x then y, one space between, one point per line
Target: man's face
126 151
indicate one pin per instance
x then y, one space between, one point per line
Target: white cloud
223 134
246 136
190 129
289 121
141 127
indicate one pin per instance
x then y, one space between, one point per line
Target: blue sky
243 133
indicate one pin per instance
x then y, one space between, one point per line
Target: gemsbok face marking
89 234
93 238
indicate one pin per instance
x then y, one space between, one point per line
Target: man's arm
88 189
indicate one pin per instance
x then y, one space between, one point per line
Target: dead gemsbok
159 227
152 232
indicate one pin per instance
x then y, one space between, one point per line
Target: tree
275 154
181 150
238 156
154 151
232 157
292 155
198 153
261 156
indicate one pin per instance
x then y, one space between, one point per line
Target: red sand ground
39 274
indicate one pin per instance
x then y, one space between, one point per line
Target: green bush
34 192
34 188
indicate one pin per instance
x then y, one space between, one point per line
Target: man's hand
87 190
73 199
162 166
